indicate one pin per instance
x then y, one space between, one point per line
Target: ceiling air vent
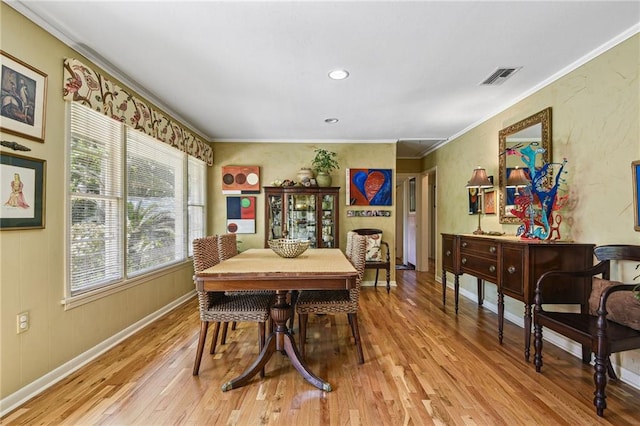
499 76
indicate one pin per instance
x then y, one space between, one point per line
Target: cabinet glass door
328 215
301 217
274 216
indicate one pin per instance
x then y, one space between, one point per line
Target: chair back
348 251
205 253
227 246
358 259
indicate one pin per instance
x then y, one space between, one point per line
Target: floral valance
83 84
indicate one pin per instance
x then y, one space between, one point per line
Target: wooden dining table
263 269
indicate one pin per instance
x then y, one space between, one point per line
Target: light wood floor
424 365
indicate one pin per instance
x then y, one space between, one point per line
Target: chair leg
600 379
302 329
204 326
388 279
537 344
216 330
223 339
233 325
353 319
375 284
610 370
294 297
261 340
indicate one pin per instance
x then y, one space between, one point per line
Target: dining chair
218 307
335 301
228 247
378 254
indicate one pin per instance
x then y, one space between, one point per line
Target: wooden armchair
378 253
609 317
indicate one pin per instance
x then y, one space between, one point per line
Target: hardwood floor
423 365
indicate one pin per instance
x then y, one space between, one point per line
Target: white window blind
95 189
197 171
155 200
135 203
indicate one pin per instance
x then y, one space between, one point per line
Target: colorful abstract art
369 187
240 180
241 215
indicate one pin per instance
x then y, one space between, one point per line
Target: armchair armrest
387 251
601 268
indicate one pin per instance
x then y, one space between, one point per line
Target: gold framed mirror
534 130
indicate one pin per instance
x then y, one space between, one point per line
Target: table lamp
479 180
517 179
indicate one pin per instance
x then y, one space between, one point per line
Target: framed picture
635 171
489 201
239 180
22 192
473 201
412 195
24 95
369 187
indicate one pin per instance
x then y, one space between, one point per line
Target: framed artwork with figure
24 95
635 171
22 192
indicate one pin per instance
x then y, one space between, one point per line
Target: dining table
263 269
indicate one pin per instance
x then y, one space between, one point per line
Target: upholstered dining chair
228 247
218 307
335 301
378 254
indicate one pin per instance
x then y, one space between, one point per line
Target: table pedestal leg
279 341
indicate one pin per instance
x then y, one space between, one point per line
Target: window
127 198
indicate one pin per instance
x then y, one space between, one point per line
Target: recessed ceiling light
331 120
339 74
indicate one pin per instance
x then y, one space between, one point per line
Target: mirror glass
534 131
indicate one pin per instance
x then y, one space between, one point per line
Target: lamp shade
479 179
518 177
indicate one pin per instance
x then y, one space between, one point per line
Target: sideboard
514 265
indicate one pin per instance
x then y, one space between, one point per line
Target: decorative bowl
288 247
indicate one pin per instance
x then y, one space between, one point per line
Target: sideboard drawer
479 246
479 266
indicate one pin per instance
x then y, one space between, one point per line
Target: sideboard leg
500 315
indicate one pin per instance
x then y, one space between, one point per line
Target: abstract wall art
369 187
241 215
240 180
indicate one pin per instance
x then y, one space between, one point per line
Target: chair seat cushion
622 306
219 307
325 301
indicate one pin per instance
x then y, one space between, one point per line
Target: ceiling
258 71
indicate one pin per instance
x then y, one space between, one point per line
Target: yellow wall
32 261
595 114
282 161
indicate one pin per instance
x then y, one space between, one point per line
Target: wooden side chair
378 254
218 307
335 301
609 317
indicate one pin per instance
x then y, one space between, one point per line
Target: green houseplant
324 163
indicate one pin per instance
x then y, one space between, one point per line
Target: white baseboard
21 396
627 376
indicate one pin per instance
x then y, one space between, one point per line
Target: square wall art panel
240 180
241 215
369 187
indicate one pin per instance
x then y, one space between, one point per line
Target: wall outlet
23 322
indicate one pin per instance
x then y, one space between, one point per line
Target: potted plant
323 164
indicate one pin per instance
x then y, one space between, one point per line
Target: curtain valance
83 84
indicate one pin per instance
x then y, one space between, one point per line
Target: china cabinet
309 213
